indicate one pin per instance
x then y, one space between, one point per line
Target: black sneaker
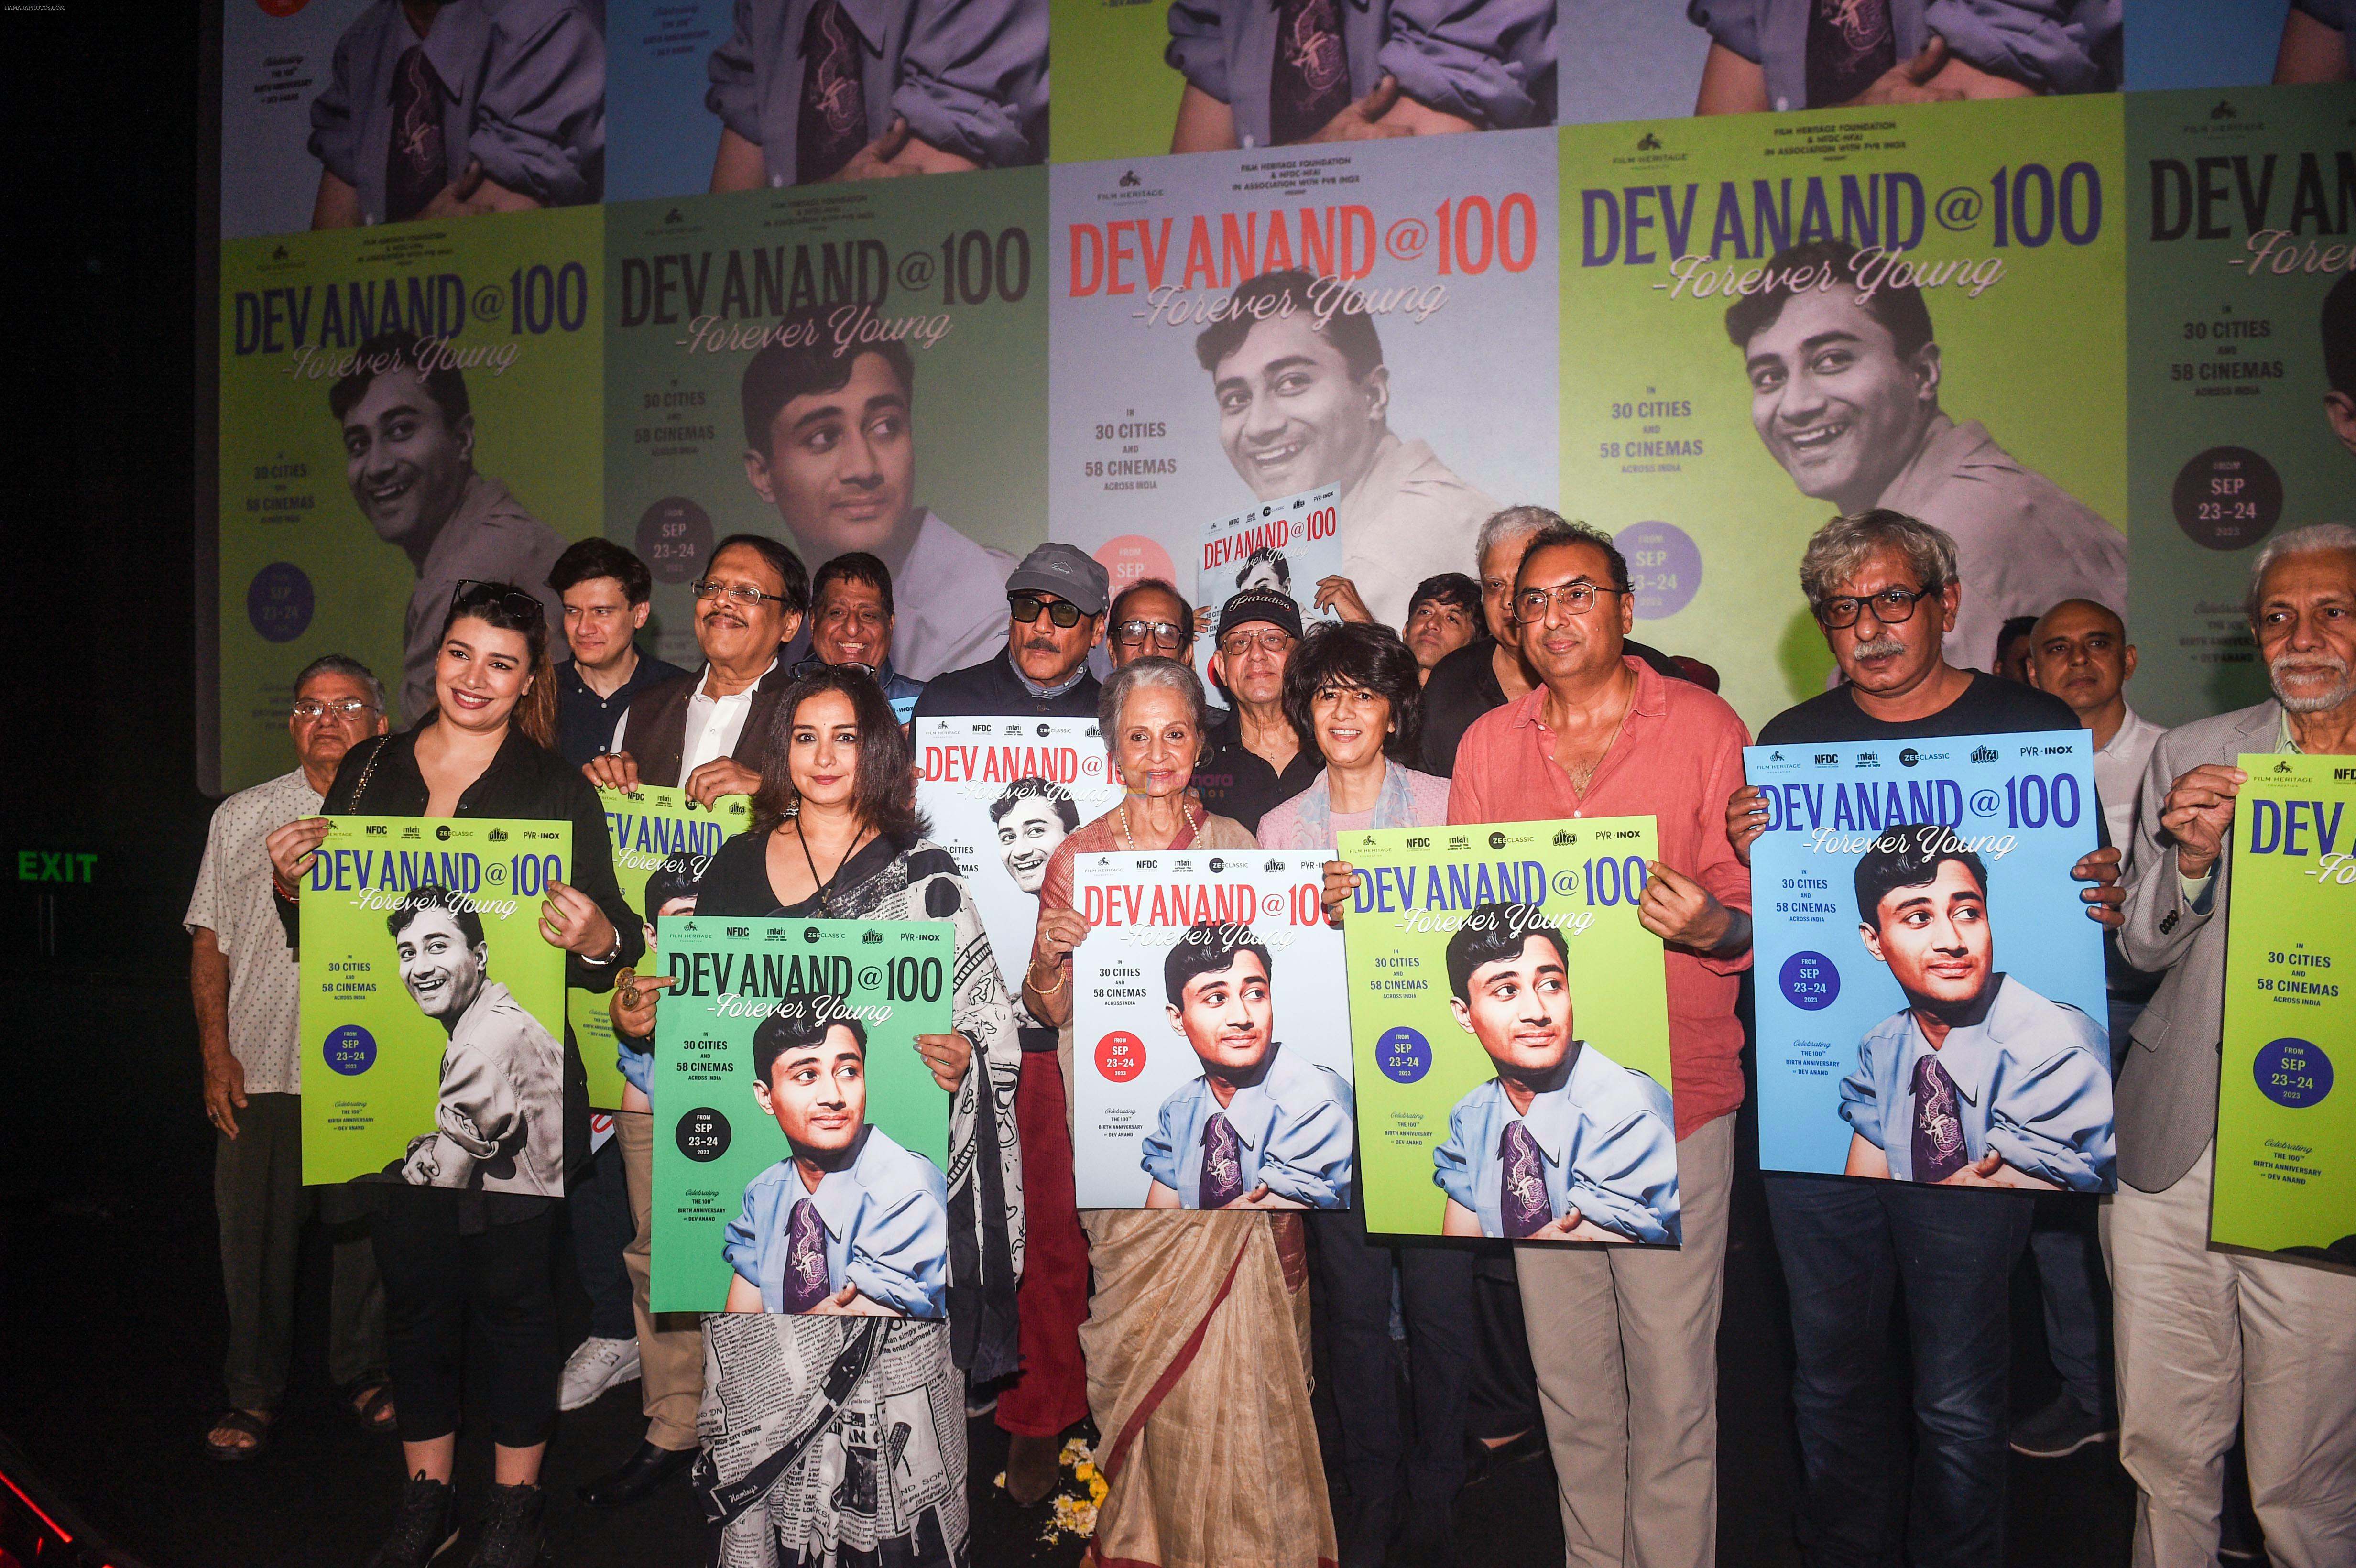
2062 1427
512 1537
426 1526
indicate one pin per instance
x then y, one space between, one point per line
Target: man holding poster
1256 1127
1564 1144
1631 1328
1844 396
1884 588
2209 1340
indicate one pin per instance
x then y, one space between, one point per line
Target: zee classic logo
1908 757
1496 840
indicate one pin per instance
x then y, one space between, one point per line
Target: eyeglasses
1531 604
1025 608
1268 639
1890 607
310 710
748 597
1131 633
480 594
814 665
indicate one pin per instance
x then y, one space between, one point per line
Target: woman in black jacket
488 751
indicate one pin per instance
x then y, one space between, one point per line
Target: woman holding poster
471 1223
866 1445
1177 1339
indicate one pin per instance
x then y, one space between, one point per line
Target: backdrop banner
1511 1027
435 1004
800 1139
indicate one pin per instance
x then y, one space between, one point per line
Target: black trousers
1436 1299
438 1283
1504 1402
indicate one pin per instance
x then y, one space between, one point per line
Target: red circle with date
1120 1056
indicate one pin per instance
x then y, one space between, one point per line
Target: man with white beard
2208 1340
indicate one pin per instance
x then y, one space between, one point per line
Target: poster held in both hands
435 1004
1511 1023
1931 995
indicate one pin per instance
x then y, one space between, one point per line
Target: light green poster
1113 96
434 1005
2285 1127
663 842
401 407
887 339
849 1122
1499 979
1768 319
2242 358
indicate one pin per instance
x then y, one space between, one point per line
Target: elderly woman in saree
1198 1389
838 1437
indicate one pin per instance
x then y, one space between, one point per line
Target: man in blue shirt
1258 1129
848 1224
1564 1144
1977 1081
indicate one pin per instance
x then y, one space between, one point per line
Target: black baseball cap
1259 605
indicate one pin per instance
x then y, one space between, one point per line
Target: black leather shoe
1486 1462
641 1473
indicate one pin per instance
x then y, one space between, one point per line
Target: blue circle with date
278 602
1810 982
2293 1073
1664 567
1404 1055
350 1049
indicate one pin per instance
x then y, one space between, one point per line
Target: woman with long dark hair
815 1475
449 1254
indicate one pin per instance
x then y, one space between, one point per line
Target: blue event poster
1931 990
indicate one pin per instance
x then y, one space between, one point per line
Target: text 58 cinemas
320 324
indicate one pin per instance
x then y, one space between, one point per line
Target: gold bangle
1045 990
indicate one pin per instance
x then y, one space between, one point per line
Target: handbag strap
725 1502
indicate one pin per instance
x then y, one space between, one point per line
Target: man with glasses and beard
409 457
2210 1341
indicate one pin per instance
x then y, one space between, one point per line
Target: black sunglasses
1026 608
476 593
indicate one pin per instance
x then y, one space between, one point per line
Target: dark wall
98 106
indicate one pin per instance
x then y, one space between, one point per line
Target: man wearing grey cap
1254 760
1055 612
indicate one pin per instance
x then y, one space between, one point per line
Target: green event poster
433 1004
662 835
323 532
2238 264
1511 902
2285 1140
1114 98
947 276
837 1004
1712 462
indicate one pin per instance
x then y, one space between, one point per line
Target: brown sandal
369 1402
254 1423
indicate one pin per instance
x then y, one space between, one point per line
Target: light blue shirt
1293 1127
2033 1076
887 1229
1608 1138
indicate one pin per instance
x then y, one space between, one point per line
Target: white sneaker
597 1365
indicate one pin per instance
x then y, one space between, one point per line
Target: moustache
2308 664
1879 647
1041 645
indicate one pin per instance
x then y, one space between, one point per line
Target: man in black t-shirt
1884 590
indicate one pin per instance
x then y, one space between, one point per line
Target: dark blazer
991 689
2167 1095
655 733
524 782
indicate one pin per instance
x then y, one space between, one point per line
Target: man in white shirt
249 1023
2078 651
703 732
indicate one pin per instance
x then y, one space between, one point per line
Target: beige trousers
2206 1340
670 1358
1625 1342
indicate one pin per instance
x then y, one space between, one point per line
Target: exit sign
55 865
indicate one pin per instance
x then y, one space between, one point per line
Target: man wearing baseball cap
1055 611
1254 760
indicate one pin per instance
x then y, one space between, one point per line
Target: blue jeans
1846 1245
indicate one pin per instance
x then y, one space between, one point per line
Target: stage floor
111 1299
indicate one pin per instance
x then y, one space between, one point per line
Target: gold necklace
1129 840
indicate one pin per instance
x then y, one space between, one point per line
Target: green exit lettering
55 865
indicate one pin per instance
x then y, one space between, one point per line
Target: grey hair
2308 541
1840 550
348 666
1124 682
1511 523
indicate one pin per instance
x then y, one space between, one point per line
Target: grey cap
1066 570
